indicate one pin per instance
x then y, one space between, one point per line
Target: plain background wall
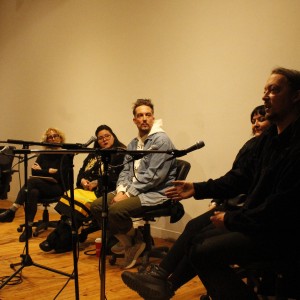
76 64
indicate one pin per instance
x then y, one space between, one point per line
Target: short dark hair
140 102
258 110
293 76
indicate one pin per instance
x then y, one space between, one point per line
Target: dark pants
211 255
208 252
37 189
176 262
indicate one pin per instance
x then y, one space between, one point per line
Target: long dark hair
116 143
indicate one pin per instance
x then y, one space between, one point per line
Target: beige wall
76 64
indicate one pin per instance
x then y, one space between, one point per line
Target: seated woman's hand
92 185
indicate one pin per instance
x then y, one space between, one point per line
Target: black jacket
92 169
271 178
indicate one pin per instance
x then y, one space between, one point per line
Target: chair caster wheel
19 229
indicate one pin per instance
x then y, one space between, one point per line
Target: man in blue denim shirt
141 184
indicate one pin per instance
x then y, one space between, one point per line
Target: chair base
40 226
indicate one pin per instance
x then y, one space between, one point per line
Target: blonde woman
49 180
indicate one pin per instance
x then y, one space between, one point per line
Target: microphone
78 145
179 153
90 141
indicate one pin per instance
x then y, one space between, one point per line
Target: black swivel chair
174 210
6 161
45 223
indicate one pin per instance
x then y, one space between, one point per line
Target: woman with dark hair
89 187
90 174
258 120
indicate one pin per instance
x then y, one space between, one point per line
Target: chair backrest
6 161
183 168
174 210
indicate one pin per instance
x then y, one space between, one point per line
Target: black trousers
37 189
209 252
176 262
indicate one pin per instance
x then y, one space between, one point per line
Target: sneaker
118 248
150 284
22 237
7 216
132 253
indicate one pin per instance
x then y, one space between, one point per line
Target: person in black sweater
49 179
265 228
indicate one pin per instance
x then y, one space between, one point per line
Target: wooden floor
39 283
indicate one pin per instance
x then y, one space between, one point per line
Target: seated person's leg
175 270
96 208
182 244
120 224
212 256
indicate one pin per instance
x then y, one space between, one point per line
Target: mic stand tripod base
26 262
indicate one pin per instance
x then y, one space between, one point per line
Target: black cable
14 281
87 252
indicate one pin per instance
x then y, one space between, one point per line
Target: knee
95 207
190 225
114 212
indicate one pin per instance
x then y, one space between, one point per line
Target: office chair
174 210
6 161
45 223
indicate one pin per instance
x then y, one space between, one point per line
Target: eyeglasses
53 136
105 136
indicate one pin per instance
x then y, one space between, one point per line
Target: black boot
22 237
7 216
150 284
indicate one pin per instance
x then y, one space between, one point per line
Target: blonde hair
59 132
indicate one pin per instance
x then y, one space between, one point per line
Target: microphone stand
26 259
106 158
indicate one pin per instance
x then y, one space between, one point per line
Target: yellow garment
82 200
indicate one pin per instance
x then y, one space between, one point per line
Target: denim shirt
155 172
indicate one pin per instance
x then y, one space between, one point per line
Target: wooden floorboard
40 283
